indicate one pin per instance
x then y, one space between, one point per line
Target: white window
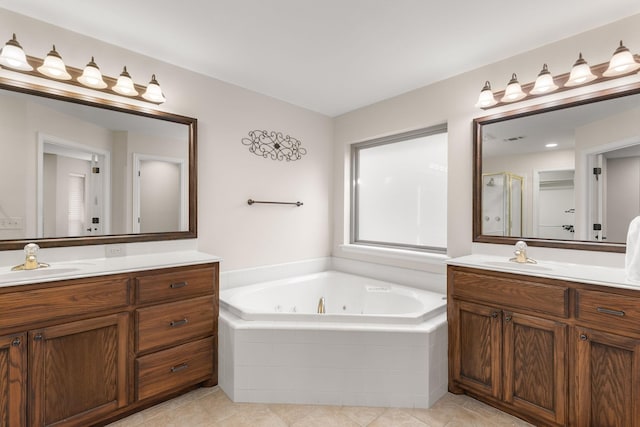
399 191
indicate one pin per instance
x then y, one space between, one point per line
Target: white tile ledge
66 270
596 275
394 253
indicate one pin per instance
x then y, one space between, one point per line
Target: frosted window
400 191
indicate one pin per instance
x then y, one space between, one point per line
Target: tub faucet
520 253
321 308
31 258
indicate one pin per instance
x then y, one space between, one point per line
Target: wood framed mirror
79 170
564 174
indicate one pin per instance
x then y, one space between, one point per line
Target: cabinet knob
507 318
583 337
494 314
16 342
38 337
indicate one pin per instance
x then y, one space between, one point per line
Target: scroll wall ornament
274 145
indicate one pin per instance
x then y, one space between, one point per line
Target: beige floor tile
210 407
362 415
397 418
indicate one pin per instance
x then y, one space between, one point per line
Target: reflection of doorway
555 201
73 189
159 194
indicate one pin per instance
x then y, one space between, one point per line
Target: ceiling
330 56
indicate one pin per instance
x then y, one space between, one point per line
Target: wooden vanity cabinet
70 351
501 349
13 380
553 352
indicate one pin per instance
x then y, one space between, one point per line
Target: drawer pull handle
178 285
609 311
179 367
181 322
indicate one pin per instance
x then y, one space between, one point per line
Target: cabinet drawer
172 285
607 309
87 296
522 292
172 323
174 368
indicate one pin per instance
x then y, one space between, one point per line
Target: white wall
452 101
228 174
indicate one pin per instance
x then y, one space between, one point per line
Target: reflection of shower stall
502 204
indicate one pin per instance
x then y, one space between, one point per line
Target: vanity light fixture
91 76
54 67
154 92
544 83
13 56
513 92
580 73
486 98
124 85
622 62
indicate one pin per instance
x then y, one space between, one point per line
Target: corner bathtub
378 344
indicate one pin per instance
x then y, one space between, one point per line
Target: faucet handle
31 249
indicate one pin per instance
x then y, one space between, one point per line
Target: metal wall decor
274 145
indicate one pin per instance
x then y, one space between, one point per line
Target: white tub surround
591 274
65 270
379 344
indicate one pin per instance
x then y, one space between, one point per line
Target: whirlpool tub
377 344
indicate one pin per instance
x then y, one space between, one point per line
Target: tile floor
210 407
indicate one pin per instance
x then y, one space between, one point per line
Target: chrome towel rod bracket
251 202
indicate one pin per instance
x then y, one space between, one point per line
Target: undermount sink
517 265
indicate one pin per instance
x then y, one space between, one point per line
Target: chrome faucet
321 307
31 258
520 253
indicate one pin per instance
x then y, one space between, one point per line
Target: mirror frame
108 104
478 123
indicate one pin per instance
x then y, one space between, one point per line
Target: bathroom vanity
551 343
105 338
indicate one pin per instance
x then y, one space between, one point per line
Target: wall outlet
11 223
111 251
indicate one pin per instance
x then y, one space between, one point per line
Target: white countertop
102 267
605 276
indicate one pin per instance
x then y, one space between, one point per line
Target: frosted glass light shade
13 56
91 76
544 83
154 92
580 73
513 92
486 98
54 67
124 85
622 62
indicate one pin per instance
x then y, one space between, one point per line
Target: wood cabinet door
78 371
607 379
13 384
476 350
535 366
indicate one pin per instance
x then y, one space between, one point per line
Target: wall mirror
564 174
79 171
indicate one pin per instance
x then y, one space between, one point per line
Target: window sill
392 253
